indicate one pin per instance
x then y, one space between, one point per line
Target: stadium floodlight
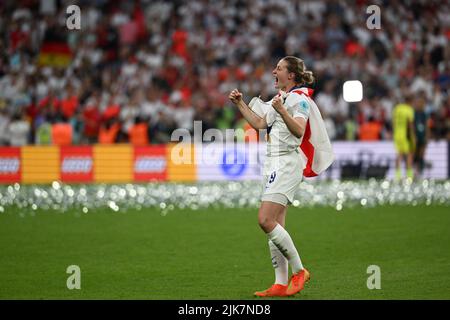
352 91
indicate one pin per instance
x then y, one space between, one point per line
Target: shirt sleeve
299 105
270 117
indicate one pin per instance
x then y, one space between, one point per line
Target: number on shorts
272 176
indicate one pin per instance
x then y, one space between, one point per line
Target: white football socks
282 240
280 264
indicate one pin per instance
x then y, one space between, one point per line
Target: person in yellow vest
138 133
404 137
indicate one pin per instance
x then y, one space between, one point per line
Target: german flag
55 54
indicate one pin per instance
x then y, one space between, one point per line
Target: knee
262 221
266 223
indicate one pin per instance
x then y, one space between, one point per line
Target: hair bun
308 77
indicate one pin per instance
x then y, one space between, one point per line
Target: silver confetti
166 197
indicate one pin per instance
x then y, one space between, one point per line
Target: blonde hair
297 67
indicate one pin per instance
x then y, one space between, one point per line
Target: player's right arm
393 120
253 119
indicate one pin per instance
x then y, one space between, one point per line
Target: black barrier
364 167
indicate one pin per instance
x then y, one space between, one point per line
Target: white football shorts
281 177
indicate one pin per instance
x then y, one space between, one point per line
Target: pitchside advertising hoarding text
204 162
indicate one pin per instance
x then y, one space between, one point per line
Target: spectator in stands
62 132
77 125
370 130
43 123
139 132
351 129
109 131
4 123
91 118
161 132
18 130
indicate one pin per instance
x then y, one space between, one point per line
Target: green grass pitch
222 253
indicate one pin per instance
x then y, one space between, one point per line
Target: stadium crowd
137 70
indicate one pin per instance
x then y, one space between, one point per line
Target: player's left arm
412 131
295 123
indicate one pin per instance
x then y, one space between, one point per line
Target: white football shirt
280 139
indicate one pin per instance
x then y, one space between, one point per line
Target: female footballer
283 169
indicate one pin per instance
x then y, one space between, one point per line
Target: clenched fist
235 96
277 103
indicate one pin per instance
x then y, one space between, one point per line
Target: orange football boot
276 290
297 282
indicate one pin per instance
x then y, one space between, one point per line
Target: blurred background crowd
137 70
